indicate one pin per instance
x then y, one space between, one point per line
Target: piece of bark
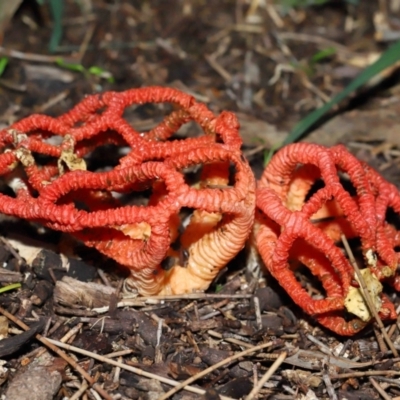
111 326
131 393
271 322
268 298
75 312
60 265
71 292
40 380
181 371
26 247
211 394
7 276
42 257
237 388
5 255
149 385
12 344
10 302
25 308
357 394
93 341
243 369
212 356
232 286
43 290
142 324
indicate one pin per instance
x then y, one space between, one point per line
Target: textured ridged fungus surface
304 208
62 195
192 202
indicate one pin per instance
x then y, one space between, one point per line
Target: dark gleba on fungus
138 237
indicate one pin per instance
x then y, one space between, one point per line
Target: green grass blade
3 64
57 9
70 66
388 58
10 287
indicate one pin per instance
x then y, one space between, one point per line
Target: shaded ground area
270 65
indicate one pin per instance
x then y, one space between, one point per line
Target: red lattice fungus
197 200
61 194
302 222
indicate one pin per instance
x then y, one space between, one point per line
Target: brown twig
367 297
364 373
214 367
230 340
252 395
33 57
69 360
329 387
379 389
128 367
77 395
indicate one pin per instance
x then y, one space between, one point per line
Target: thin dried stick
73 331
146 300
274 15
307 38
33 57
218 67
329 387
136 371
356 374
379 389
257 311
69 360
213 368
80 391
252 395
367 297
381 342
230 340
86 40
